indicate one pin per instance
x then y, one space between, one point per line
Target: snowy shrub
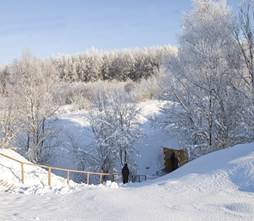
147 89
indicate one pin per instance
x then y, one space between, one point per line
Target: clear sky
50 27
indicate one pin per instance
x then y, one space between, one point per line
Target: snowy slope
36 178
153 140
74 130
218 186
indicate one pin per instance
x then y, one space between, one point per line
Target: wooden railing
138 178
50 168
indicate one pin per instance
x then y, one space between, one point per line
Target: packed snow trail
216 187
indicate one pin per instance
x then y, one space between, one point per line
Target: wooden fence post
68 177
49 176
87 178
22 173
100 178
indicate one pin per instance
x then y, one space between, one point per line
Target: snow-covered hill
74 131
218 186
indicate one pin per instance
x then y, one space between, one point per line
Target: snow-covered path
129 204
219 186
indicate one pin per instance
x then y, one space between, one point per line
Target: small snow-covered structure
181 154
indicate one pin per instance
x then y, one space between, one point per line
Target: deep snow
218 186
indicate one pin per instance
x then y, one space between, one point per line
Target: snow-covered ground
218 186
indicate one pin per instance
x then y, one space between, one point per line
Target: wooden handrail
70 170
50 168
58 168
11 158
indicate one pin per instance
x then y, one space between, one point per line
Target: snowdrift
215 187
36 178
232 167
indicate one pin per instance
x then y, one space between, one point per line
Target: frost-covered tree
244 36
207 106
121 65
4 78
33 90
8 120
115 128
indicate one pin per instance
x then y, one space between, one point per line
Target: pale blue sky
49 27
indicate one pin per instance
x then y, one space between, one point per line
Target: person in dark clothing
174 161
125 173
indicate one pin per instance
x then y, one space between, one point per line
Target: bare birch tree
34 85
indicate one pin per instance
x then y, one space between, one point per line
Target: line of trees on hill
132 64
